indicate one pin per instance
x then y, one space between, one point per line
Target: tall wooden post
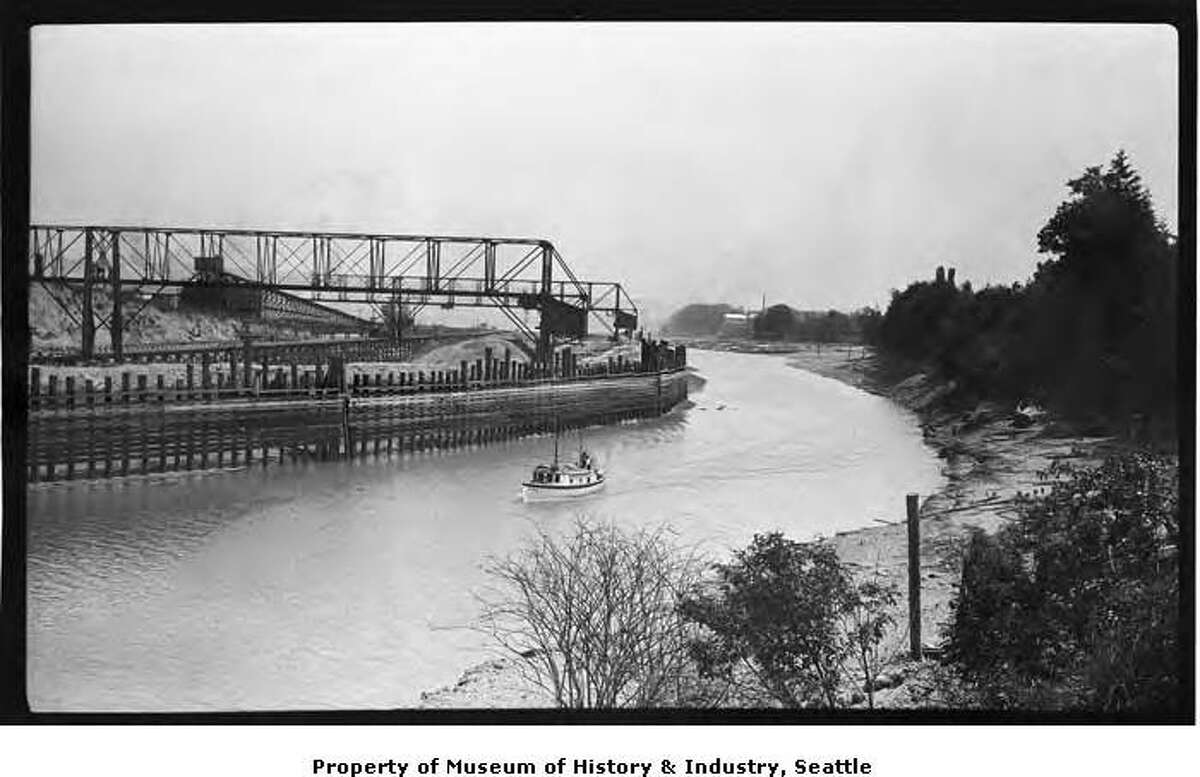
348 441
205 374
115 322
914 575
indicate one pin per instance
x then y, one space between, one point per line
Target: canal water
352 584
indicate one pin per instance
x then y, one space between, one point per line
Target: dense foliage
1076 603
780 322
1092 334
788 619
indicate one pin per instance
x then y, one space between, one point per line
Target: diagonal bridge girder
506 273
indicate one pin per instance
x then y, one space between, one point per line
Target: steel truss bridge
512 275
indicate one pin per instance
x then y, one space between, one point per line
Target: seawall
139 429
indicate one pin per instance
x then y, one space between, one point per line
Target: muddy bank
986 462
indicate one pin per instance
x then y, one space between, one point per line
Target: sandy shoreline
986 462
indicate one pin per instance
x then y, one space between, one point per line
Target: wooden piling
913 508
108 454
125 453
438 416
35 387
162 444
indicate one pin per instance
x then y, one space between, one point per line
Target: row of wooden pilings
208 381
124 434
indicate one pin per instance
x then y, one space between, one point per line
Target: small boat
563 481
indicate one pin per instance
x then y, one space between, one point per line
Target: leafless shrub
592 615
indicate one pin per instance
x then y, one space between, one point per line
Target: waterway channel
351 584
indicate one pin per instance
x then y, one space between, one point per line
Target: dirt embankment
450 356
987 462
52 327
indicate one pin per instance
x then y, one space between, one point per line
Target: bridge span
379 271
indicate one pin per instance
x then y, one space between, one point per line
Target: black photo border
19 16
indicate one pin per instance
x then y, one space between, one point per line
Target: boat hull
545 492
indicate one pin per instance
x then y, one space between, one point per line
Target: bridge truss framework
507 274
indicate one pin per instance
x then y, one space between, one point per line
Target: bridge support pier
116 329
544 353
87 344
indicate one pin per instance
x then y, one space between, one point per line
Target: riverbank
987 461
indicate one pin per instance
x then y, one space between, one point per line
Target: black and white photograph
793 368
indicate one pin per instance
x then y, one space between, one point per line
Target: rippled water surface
351 584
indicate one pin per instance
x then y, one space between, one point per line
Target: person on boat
585 461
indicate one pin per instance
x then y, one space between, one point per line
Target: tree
591 617
866 622
832 327
1092 335
776 322
786 617
1080 593
697 319
1104 326
869 322
1098 232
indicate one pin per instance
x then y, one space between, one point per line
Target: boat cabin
564 475
564 479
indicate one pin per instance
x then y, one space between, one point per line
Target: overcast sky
820 164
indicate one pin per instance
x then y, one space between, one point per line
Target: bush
786 619
1079 595
592 616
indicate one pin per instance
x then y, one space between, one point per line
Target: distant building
738 324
